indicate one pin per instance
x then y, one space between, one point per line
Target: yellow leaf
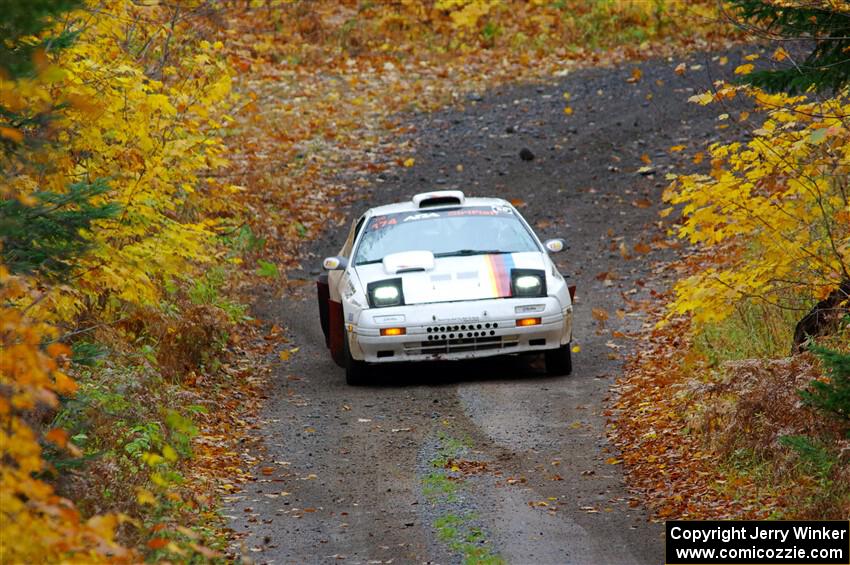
576 349
169 453
702 99
677 148
152 459
744 69
409 162
568 110
104 525
144 496
285 355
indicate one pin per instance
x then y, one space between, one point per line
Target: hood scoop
408 262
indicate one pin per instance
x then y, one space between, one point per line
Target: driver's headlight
528 283
385 293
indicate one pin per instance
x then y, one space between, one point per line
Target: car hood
452 279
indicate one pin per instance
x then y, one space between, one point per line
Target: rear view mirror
554 245
335 263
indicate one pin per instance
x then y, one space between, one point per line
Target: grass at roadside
753 331
443 486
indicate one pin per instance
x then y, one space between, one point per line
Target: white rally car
444 277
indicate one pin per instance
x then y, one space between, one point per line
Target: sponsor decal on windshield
381 222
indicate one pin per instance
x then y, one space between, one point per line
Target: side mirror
335 263
554 245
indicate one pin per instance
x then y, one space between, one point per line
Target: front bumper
459 330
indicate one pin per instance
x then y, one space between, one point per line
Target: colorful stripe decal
499 274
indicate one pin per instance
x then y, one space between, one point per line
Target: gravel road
494 459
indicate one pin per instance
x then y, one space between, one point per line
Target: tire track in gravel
347 463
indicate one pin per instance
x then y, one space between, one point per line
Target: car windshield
462 231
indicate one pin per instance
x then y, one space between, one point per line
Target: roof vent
439 198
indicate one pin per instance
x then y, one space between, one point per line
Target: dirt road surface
494 459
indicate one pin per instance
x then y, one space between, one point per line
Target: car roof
410 206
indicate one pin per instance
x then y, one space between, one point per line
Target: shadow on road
440 373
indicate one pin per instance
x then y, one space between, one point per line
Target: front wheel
356 371
559 361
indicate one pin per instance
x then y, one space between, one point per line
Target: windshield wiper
466 252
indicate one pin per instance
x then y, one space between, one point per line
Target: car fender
346 301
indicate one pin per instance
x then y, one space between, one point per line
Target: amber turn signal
393 331
522 322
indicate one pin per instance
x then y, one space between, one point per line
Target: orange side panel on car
337 335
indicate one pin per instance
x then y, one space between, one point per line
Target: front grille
437 344
459 331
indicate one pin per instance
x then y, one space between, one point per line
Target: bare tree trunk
823 318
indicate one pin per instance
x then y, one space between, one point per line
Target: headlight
528 283
385 293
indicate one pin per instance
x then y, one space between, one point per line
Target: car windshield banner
388 220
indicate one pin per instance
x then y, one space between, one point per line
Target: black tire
559 361
356 372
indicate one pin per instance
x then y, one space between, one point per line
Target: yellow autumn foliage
778 206
130 103
30 375
148 127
